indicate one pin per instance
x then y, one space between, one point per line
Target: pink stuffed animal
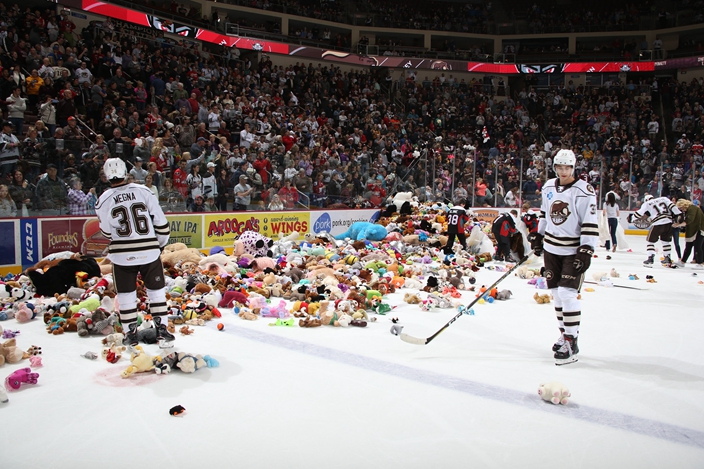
35 361
280 310
23 375
24 313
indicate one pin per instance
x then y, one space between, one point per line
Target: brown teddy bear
541 299
179 252
412 298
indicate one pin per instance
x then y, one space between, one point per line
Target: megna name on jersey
123 197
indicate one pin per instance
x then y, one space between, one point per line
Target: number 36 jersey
568 217
131 218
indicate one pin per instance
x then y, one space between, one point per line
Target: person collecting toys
567 235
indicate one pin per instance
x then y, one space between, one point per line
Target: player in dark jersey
457 219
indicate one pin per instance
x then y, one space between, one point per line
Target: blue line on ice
616 420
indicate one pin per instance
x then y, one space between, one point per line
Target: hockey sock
572 307
157 302
650 249
666 248
572 320
560 321
128 308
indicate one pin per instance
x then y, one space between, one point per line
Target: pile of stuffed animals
309 280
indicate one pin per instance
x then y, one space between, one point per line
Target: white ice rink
362 398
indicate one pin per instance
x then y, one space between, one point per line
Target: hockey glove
629 218
679 218
583 258
536 243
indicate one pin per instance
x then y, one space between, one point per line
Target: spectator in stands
288 194
243 194
16 107
149 183
9 150
7 204
276 203
22 192
170 198
51 193
138 172
79 202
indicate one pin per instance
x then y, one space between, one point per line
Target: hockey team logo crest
559 212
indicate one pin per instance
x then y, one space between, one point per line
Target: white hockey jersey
661 210
568 217
131 218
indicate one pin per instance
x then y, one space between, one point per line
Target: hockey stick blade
619 286
419 341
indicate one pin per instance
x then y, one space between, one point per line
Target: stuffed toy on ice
186 362
554 392
254 244
363 230
141 362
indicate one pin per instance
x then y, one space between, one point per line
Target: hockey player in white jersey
131 218
662 212
568 233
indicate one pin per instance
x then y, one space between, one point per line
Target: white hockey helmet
565 157
647 197
114 168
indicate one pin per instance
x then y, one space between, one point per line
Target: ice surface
361 398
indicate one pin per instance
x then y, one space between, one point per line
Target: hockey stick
418 341
617 286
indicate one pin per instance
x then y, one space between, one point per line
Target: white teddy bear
402 197
554 392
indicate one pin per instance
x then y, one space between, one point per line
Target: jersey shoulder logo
590 189
559 212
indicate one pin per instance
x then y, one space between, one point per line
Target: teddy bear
253 243
284 244
503 295
554 392
86 323
113 339
412 298
362 230
413 283
246 314
256 303
179 253
310 321
141 362
62 276
541 299
525 273
10 353
276 290
217 264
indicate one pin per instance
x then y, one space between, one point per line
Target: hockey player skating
457 219
662 212
131 218
568 232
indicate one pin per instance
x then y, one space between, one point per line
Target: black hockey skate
557 345
649 261
667 262
131 336
568 352
164 338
